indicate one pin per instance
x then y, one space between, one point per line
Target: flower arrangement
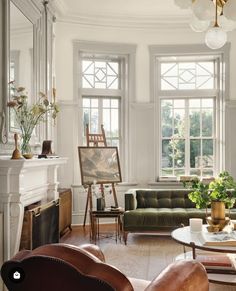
28 116
222 188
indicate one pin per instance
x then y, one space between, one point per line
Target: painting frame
99 164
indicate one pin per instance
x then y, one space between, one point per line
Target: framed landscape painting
100 164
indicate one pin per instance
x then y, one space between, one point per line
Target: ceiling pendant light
216 37
183 4
199 25
203 9
222 12
230 9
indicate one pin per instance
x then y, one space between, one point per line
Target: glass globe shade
230 9
215 38
226 24
204 9
183 4
199 25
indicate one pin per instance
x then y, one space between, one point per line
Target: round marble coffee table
194 240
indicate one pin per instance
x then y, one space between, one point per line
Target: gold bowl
216 225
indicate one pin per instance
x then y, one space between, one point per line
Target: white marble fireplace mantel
23 182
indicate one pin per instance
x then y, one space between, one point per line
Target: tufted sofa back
163 199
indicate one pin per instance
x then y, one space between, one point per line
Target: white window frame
125 52
222 55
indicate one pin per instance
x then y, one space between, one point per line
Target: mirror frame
42 19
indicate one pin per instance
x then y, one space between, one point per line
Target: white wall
141 125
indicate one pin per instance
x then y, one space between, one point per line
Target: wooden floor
81 235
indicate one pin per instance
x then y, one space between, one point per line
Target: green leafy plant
222 188
28 115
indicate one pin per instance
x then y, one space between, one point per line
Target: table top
184 236
108 212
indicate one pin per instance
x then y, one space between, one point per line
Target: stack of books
218 238
218 263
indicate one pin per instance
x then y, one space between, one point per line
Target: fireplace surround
24 182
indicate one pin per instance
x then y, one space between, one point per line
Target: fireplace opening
40 225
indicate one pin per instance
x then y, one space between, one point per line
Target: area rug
145 256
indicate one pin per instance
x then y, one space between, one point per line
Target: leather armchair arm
65 259
94 250
129 201
181 276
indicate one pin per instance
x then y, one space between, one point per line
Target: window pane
179 103
106 103
179 122
166 118
195 153
86 116
207 103
187 75
94 121
167 172
195 172
194 116
100 74
114 103
94 102
86 102
179 152
207 153
207 123
208 172
179 172
114 122
107 121
166 154
194 103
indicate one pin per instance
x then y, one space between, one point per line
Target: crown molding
125 21
59 7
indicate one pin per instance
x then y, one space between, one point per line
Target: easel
94 139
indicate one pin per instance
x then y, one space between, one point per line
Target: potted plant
219 192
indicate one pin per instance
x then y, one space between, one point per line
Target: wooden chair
96 139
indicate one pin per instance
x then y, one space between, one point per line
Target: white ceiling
142 11
122 7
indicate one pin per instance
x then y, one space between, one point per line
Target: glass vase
26 150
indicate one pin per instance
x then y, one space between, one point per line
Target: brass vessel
217 221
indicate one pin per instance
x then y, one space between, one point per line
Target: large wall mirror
21 55
27 43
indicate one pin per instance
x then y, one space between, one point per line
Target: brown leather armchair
63 267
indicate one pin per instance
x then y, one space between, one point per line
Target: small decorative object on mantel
16 155
47 147
218 192
29 115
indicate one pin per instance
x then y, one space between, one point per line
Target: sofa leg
125 235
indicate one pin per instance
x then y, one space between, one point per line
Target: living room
138 68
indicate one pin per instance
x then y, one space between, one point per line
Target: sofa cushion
163 199
151 219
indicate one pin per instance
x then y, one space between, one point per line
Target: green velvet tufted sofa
148 210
